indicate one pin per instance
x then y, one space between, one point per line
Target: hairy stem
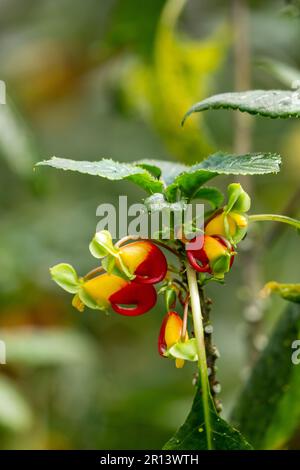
199 334
211 350
276 218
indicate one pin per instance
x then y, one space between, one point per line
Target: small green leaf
66 277
269 103
191 435
109 169
220 163
289 292
184 350
102 245
210 194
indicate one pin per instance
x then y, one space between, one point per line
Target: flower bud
238 199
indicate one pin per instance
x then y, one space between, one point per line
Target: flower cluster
124 282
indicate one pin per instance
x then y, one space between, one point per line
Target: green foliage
269 103
192 436
220 163
268 411
182 178
109 169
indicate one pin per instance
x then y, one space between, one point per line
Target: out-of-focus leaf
220 163
180 71
286 74
289 292
109 169
15 412
191 435
133 26
17 143
268 410
53 347
268 103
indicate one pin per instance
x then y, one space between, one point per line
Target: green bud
170 297
238 199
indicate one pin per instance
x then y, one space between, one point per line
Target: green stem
276 218
199 334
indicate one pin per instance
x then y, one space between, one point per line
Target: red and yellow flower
170 334
124 297
212 254
232 226
145 260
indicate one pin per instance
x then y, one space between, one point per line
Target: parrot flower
232 225
145 260
231 222
105 290
170 334
124 297
215 256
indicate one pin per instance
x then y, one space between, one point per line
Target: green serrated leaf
210 194
268 410
191 435
66 277
109 169
268 103
222 163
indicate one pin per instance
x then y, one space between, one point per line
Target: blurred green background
112 78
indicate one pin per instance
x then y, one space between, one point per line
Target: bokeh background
112 78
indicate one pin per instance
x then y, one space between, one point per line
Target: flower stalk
275 218
202 362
